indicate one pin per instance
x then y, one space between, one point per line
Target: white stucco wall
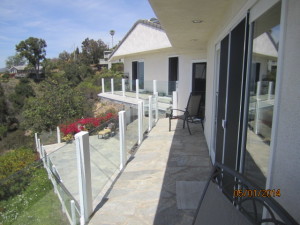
156 67
143 38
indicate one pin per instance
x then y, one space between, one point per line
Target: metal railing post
103 89
39 147
150 113
84 175
58 135
270 90
123 87
112 85
36 141
73 213
43 155
174 103
257 111
154 87
122 139
156 107
137 88
140 121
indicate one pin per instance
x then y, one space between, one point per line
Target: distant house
22 71
148 55
106 63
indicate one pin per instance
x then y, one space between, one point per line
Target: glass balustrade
105 156
131 127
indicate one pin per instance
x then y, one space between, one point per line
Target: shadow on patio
164 181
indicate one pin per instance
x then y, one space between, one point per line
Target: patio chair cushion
104 132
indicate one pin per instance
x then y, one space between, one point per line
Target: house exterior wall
156 67
143 39
284 165
285 155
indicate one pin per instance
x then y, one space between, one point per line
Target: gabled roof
144 36
264 45
19 67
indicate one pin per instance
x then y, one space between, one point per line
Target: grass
46 211
36 204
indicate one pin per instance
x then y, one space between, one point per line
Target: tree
76 72
3 106
92 50
15 60
23 90
112 33
64 56
58 103
33 49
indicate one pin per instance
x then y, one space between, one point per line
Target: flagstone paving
146 193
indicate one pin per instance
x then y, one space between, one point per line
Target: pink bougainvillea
85 124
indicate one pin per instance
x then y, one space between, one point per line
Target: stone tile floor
145 193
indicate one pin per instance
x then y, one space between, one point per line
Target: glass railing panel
63 163
118 86
48 137
166 88
130 88
146 89
146 116
131 134
154 108
66 198
27 197
107 85
104 155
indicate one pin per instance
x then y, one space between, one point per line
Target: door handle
224 124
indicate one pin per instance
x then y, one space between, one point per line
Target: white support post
257 111
150 113
122 130
39 147
270 91
154 87
103 89
58 135
48 167
54 183
123 87
112 85
137 88
175 103
73 212
36 141
84 175
44 156
140 121
156 107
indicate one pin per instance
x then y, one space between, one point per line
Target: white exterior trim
280 67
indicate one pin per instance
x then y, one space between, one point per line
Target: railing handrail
241 182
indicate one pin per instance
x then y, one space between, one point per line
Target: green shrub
3 131
14 176
38 185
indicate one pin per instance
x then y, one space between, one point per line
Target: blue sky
64 24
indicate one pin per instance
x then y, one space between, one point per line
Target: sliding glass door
262 82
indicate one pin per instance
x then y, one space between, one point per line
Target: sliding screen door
221 101
230 100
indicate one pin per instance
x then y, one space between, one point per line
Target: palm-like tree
112 33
